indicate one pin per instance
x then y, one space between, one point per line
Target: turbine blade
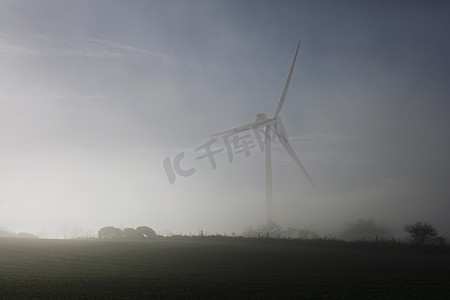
280 126
289 149
286 85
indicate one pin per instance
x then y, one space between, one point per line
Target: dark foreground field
211 269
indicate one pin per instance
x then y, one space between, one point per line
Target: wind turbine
276 125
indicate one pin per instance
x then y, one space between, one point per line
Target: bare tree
302 234
268 230
423 233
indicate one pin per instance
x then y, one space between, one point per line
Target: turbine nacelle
261 117
276 123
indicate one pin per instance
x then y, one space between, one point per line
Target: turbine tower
276 125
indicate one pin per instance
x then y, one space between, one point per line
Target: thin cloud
9 43
44 92
323 138
127 48
45 45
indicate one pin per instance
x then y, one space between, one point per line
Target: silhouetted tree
146 232
423 233
141 232
110 232
365 230
131 234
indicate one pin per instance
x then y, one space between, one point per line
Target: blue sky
95 95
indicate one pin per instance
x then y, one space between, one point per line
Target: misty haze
171 149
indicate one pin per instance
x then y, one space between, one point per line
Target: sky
96 95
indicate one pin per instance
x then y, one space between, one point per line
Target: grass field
217 269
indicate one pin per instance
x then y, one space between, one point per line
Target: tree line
419 233
140 232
